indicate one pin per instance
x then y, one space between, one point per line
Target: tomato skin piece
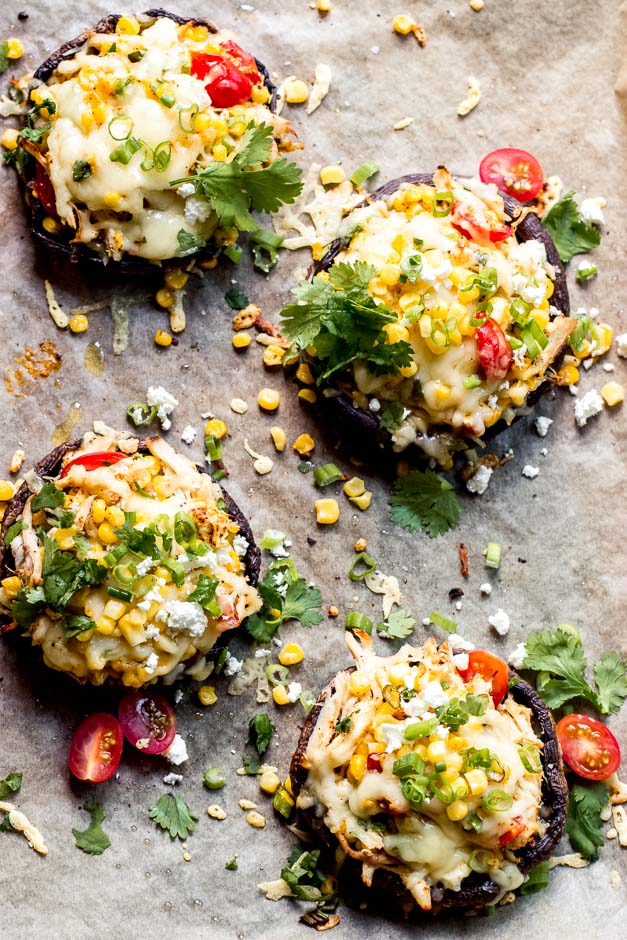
96 748
467 220
373 762
588 746
495 354
515 172
244 61
148 717
225 84
490 667
45 190
517 827
94 460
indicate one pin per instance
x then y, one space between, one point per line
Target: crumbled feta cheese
457 642
517 656
530 472
259 654
621 345
500 622
415 707
151 663
542 425
426 621
543 452
460 661
608 367
392 735
177 752
232 665
172 779
486 588
458 605
240 545
189 434
587 407
144 566
185 190
157 397
479 482
518 356
154 594
493 401
178 695
197 209
434 695
441 732
374 404
591 210
152 632
183 617
294 691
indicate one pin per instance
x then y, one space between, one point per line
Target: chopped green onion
307 699
479 860
519 311
283 803
411 763
357 621
167 100
363 173
122 85
486 281
411 268
534 338
442 789
473 822
220 662
530 759
497 801
481 314
121 594
125 151
414 790
137 55
443 622
162 155
265 248
184 528
81 170
537 879
585 273
305 466
176 569
579 333
440 334
141 414
472 381
420 729
276 674
125 574
233 253
213 778
329 473
112 558
120 127
187 118
413 313
440 767
514 343
447 199
538 334
369 564
493 555
213 448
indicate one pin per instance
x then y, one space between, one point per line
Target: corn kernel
354 487
273 355
278 438
269 782
408 371
476 5
389 274
332 175
105 625
324 6
308 395
397 673
241 340
396 333
327 511
268 399
612 393
196 33
477 781
304 374
357 767
454 760
98 510
436 751
78 323
9 138
287 784
15 48
202 122
6 490
457 810
87 119
207 695
127 25
219 153
164 297
114 609
603 335
112 200
260 94
215 428
65 538
115 516
442 392
359 683
11 586
456 742
51 225
106 534
568 375
133 633
176 279
541 317
291 654
279 694
210 264
296 92
362 502
255 819
99 112
304 445
162 338
449 775
403 25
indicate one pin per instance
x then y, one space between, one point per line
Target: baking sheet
547 72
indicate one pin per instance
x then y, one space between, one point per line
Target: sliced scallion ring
447 200
120 127
141 414
357 621
480 860
276 674
187 118
363 173
497 801
161 155
493 555
327 474
368 563
440 334
213 778
530 759
443 622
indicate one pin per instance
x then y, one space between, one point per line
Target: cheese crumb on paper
472 99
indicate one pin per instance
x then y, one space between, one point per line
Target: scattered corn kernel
269 782
11 586
197 33
207 695
164 297
51 225
456 810
324 6
241 340
612 393
362 502
359 683
477 781
304 374
15 48
268 399
216 812
332 175
357 767
127 25
354 487
308 395
360 545
304 445
273 355
327 511
279 694
114 609
78 323
6 490
476 5
291 654
9 138
403 25
278 438
436 750
17 460
255 819
215 428
333 611
163 338
296 91
106 534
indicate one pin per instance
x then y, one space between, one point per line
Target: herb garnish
94 840
424 500
172 813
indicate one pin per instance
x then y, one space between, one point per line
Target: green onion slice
472 381
519 311
493 555
481 314
480 860
120 127
329 473
283 803
141 414
497 801
233 253
368 563
440 334
530 759
125 574
443 622
446 199
420 729
364 172
121 594
411 267
408 764
213 778
187 118
125 151
276 674
442 789
357 621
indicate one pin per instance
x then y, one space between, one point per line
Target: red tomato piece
588 746
374 763
473 224
495 354
242 59
225 84
149 719
202 62
96 748
229 619
101 458
44 190
514 171
517 828
489 667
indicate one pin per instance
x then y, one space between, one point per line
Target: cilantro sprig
570 232
424 500
172 814
286 597
93 840
11 784
398 625
260 731
583 822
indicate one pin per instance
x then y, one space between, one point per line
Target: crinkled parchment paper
547 72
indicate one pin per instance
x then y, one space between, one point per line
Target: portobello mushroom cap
360 429
59 242
50 466
388 896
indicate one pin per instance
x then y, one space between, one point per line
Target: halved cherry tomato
473 224
101 458
44 190
588 746
148 721
516 172
516 828
374 763
229 619
495 354
242 59
489 667
225 84
96 748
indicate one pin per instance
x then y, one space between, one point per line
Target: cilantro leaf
48 497
610 676
94 840
63 574
302 603
11 784
77 623
297 602
14 530
251 764
189 243
205 594
81 170
344 725
232 865
357 276
27 605
236 299
260 731
398 625
571 234
583 821
537 879
560 654
422 499
172 813
303 875
4 57
391 415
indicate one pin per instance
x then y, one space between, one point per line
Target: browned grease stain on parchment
62 432
33 364
94 359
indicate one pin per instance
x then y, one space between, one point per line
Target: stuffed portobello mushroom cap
367 877
156 598
130 116
459 394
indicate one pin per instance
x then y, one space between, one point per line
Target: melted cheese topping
438 308
368 809
127 208
148 635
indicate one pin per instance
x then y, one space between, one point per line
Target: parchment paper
547 73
